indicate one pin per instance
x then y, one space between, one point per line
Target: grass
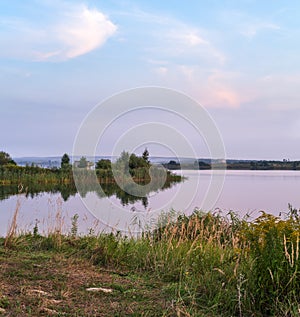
202 265
46 283
136 169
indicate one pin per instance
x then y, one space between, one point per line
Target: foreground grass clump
202 265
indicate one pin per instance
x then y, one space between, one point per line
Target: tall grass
210 265
217 265
12 228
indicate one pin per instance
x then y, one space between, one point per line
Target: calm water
246 192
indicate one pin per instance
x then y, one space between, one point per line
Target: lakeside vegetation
128 165
129 170
229 164
202 265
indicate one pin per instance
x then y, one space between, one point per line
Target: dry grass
12 229
46 284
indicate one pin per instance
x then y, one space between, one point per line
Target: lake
245 192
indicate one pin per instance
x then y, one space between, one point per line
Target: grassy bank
28 175
202 265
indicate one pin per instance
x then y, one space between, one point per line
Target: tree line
127 165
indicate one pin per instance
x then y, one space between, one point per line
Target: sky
239 59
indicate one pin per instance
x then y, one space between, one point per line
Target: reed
209 264
12 228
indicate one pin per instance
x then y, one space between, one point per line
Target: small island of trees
32 179
137 167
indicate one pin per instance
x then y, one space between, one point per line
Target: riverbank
50 282
202 265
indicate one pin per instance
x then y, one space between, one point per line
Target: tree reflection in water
106 190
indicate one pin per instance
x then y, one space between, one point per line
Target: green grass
202 265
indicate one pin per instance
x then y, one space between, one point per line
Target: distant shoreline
248 165
185 163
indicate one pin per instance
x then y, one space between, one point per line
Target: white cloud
71 31
188 37
213 89
219 90
194 39
216 89
169 38
185 40
252 29
248 25
86 30
162 71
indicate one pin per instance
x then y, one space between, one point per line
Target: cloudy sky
240 59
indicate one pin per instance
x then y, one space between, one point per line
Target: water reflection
32 190
106 190
244 192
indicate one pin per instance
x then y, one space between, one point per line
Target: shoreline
201 265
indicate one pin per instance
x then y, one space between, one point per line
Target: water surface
245 192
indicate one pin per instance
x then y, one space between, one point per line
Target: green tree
122 163
5 159
136 162
83 162
124 157
145 156
103 164
65 161
130 162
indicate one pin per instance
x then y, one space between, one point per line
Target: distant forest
204 164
